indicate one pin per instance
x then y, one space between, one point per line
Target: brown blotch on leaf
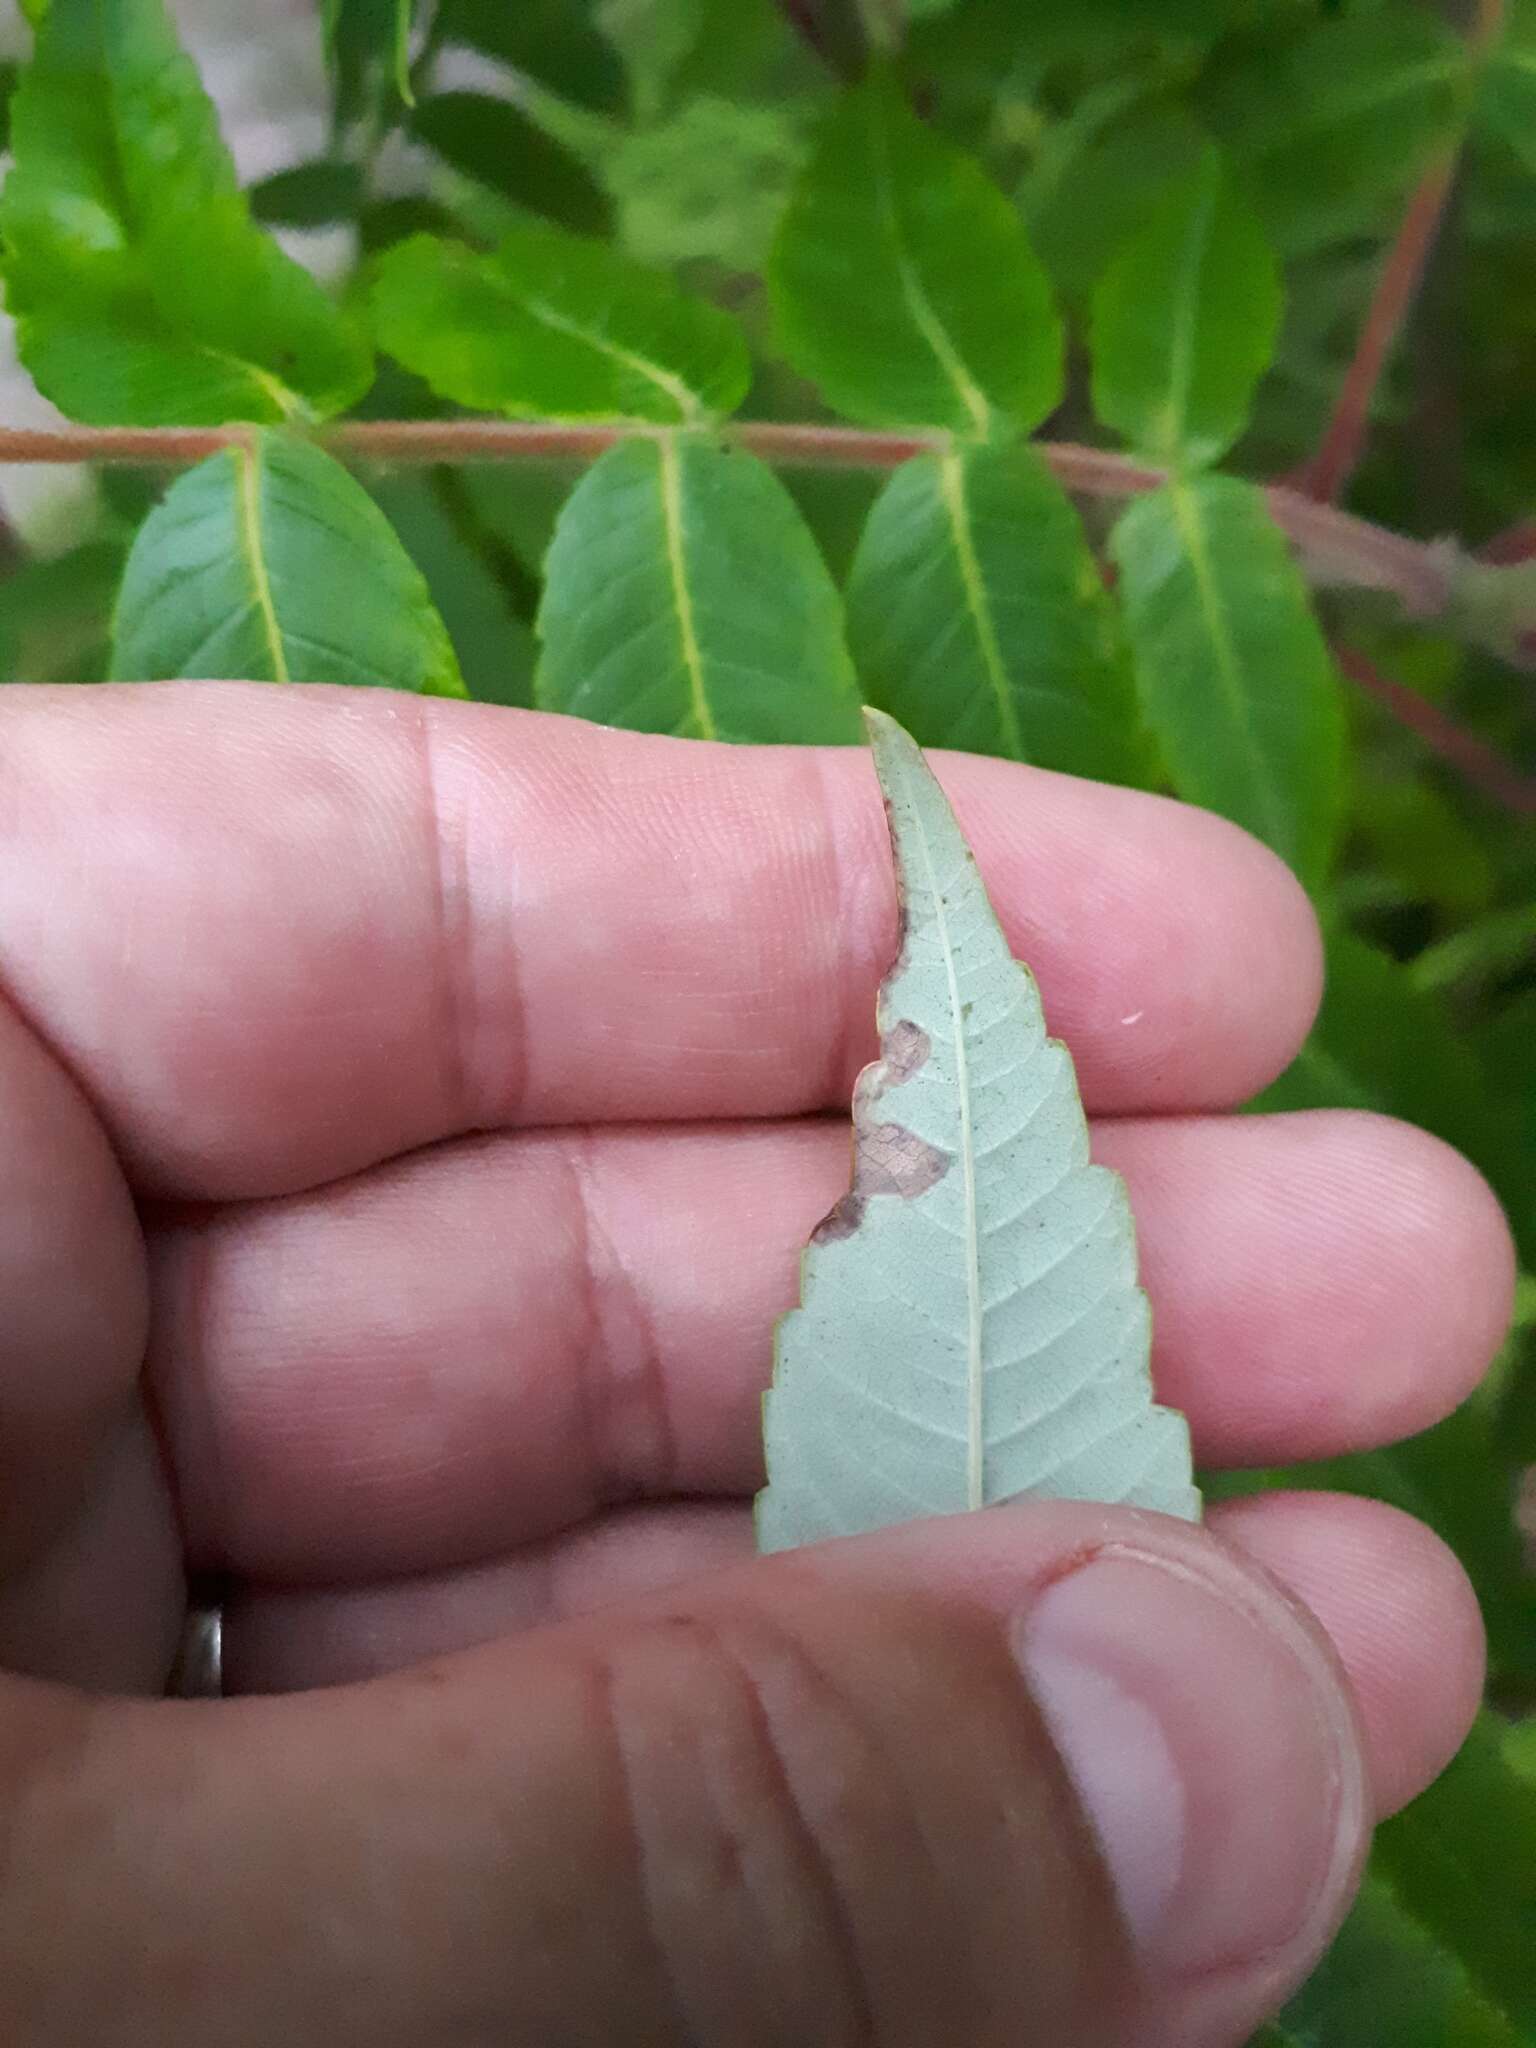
905 1048
890 1160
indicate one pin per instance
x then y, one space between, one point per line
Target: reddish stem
1328 470
1486 770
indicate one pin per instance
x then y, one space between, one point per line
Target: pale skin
412 1114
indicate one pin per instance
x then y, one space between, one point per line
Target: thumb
1052 1773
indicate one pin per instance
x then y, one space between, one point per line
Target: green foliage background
1163 253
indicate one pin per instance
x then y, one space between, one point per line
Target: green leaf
368 52
684 594
708 185
1506 104
1462 1859
978 618
970 1325
309 195
1331 128
551 326
903 284
488 139
1237 684
495 647
54 615
546 39
142 290
1184 322
269 562
1387 1983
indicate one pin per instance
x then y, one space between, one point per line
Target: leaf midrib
978 599
975 1436
682 596
1228 664
248 477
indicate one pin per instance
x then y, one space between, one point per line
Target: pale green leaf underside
978 617
970 1326
903 283
684 594
1236 680
557 327
269 562
142 291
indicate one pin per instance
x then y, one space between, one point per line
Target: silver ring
198 1672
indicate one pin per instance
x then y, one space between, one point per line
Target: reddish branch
1329 469
1477 763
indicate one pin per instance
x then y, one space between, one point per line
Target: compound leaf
555 326
979 619
269 562
683 593
144 293
903 283
1236 680
970 1325
1184 322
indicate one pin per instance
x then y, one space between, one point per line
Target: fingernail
1213 1749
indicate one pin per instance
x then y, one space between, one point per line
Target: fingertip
1400 1610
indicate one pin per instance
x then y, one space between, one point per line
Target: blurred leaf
268 561
1506 104
708 184
1382 1043
495 648
1387 1983
9 75
490 140
1420 841
368 52
683 594
553 41
55 615
552 326
1462 1860
1493 945
1098 173
902 282
1236 682
142 292
1333 127
978 618
1454 1478
1184 322
309 195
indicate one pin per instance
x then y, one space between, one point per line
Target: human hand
413 1113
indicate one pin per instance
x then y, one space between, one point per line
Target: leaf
978 618
684 594
1237 684
488 139
1387 1983
1462 1859
551 326
268 561
368 53
708 185
54 613
309 195
1506 104
902 282
142 290
1184 322
544 39
495 647
970 1325
1331 129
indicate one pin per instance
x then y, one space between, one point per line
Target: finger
73 1296
1400 1610
1392 1599
478 1346
739 1812
310 929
